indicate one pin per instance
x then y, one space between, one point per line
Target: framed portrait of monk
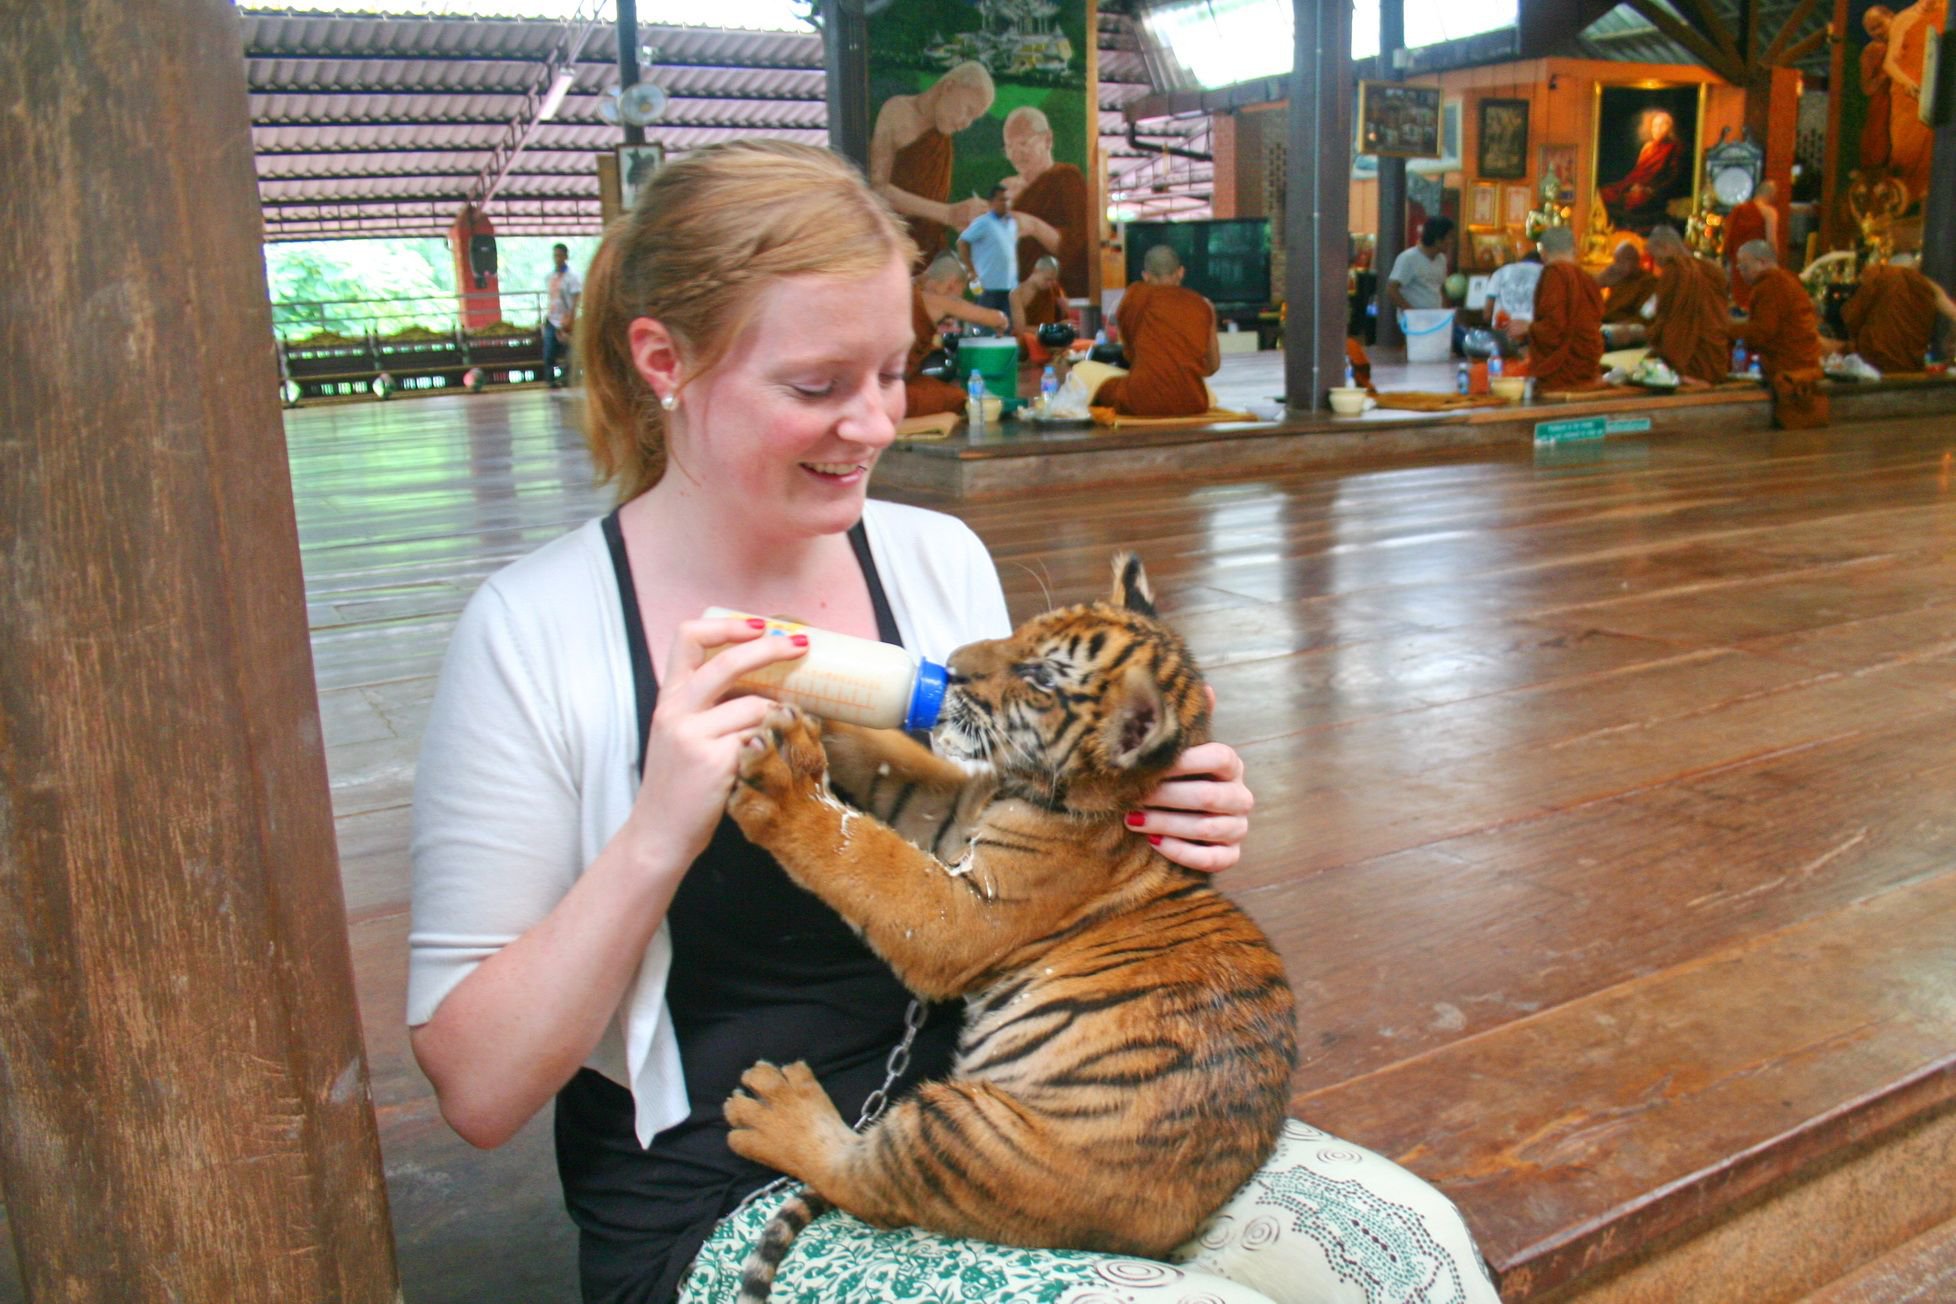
1647 154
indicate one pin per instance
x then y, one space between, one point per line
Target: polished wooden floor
1607 800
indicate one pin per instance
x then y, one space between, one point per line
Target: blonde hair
704 240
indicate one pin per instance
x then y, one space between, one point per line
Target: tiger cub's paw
782 761
781 1117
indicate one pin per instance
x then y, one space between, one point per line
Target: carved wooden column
184 1106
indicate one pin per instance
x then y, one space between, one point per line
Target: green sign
1626 425
1550 432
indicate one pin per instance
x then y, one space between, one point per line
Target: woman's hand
696 736
1199 814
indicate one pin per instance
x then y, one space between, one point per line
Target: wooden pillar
1392 185
184 1104
845 46
1772 115
1939 204
628 60
1317 202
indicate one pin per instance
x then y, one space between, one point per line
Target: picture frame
637 165
1484 206
1561 160
1489 248
1516 201
1647 158
1502 153
1399 121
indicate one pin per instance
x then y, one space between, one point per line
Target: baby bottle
841 677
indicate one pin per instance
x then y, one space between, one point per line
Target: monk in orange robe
1038 301
1783 329
911 152
1056 193
1565 338
1626 287
1169 335
1755 219
937 294
1690 328
1891 320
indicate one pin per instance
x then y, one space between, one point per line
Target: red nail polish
755 622
1154 839
799 640
1135 819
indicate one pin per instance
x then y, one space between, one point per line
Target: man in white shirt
989 247
1511 295
560 311
1419 275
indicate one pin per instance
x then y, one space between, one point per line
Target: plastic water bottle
1752 367
1460 379
1738 359
1048 386
1349 382
1494 365
974 393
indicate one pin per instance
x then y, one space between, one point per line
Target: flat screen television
1227 261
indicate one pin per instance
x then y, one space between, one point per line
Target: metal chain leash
876 1102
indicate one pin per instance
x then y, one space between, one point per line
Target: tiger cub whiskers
1126 1027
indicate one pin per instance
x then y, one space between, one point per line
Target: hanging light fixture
554 97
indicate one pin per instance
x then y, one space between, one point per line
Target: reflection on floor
1606 808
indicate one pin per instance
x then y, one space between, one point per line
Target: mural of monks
1057 193
911 152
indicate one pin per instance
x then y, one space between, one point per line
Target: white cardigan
529 763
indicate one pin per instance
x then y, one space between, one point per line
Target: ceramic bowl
994 405
1347 402
1509 387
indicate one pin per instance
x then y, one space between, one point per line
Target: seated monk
1689 330
1891 320
1038 301
1169 335
1565 338
937 294
1625 286
1782 329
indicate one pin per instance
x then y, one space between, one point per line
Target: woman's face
787 429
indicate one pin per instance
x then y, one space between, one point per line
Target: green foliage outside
353 286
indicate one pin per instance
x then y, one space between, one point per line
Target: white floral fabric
1323 1222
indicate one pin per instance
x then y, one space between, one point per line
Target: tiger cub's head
1082 707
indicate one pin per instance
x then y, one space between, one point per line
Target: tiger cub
1129 1036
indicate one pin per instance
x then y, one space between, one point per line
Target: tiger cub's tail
757 1274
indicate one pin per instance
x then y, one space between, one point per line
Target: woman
745 334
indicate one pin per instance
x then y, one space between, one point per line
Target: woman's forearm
517 1028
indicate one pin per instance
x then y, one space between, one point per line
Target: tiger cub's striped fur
1129 1036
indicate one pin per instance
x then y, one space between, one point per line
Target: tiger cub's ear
1140 730
1131 589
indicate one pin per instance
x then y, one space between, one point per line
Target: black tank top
760 970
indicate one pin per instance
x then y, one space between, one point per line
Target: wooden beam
1317 202
186 1112
1711 24
1720 61
1778 51
1801 48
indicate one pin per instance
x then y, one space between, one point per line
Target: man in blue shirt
989 247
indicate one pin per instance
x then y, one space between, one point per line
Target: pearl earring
669 402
